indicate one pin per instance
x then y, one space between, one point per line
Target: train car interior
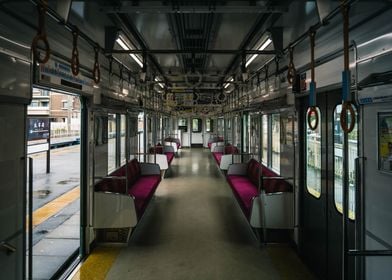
196 139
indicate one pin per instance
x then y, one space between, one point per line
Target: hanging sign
59 75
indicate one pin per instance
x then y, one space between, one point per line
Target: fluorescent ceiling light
126 47
160 84
227 84
262 48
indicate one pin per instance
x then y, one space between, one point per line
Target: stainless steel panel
12 189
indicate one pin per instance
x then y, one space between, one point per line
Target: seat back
253 171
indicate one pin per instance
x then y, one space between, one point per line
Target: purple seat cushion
274 185
156 149
170 157
217 156
231 150
111 185
254 171
244 190
119 172
143 189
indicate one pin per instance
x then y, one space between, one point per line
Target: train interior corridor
217 140
194 230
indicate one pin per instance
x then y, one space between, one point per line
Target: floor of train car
193 230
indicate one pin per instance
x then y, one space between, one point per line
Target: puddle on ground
41 193
70 180
44 231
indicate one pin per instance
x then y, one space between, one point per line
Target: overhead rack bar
172 51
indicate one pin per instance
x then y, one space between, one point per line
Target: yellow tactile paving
98 264
48 210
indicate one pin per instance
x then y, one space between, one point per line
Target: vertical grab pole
30 222
346 108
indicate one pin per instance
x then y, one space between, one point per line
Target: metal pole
30 222
48 155
345 208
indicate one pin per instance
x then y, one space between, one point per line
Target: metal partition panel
377 194
12 191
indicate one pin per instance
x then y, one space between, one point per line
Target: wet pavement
58 237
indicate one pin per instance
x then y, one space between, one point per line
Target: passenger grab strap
41 35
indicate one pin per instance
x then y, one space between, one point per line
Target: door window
276 142
313 157
338 163
196 125
264 132
112 134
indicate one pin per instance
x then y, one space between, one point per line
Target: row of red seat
159 149
134 180
226 150
214 140
249 180
175 140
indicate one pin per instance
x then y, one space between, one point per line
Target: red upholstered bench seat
159 149
273 185
175 140
244 191
228 150
245 187
141 187
170 157
217 156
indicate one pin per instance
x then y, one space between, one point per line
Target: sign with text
38 129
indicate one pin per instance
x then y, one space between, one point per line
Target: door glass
338 163
264 132
53 141
122 135
276 142
112 142
140 130
313 157
196 125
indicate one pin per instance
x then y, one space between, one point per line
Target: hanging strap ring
96 70
347 109
41 36
75 54
46 49
291 72
313 123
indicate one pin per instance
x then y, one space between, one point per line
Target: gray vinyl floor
194 230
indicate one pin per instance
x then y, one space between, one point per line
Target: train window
122 135
183 124
78 8
196 125
313 158
140 130
264 132
112 142
338 163
276 142
209 125
245 132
